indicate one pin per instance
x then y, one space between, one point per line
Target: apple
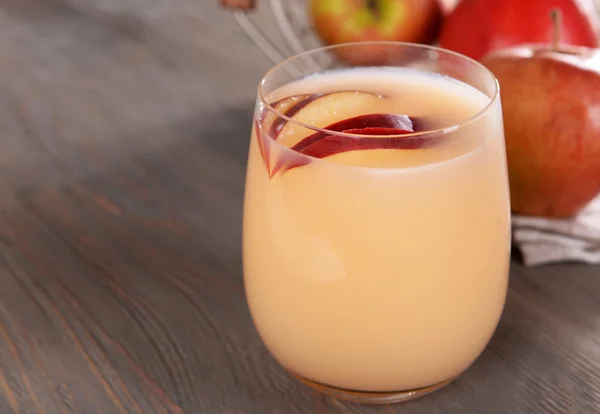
343 21
476 27
551 109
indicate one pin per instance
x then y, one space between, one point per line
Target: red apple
551 109
343 21
476 27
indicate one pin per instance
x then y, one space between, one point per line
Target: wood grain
125 126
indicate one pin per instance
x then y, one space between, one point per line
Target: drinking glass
376 283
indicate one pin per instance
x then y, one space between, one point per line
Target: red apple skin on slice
361 122
335 144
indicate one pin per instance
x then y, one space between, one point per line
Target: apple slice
335 144
291 105
317 109
328 109
390 127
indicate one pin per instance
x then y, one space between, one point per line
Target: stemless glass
376 283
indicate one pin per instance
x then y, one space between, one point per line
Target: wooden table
125 126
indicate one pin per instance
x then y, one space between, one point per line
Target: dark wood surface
124 131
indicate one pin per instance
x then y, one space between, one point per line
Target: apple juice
376 265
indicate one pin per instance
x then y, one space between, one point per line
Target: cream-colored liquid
389 274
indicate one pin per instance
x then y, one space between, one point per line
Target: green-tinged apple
551 108
343 21
476 27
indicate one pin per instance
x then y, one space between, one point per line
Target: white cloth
543 240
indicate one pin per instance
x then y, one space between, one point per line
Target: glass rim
438 131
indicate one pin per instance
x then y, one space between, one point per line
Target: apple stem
556 16
373 7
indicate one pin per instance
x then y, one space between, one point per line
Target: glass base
362 397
